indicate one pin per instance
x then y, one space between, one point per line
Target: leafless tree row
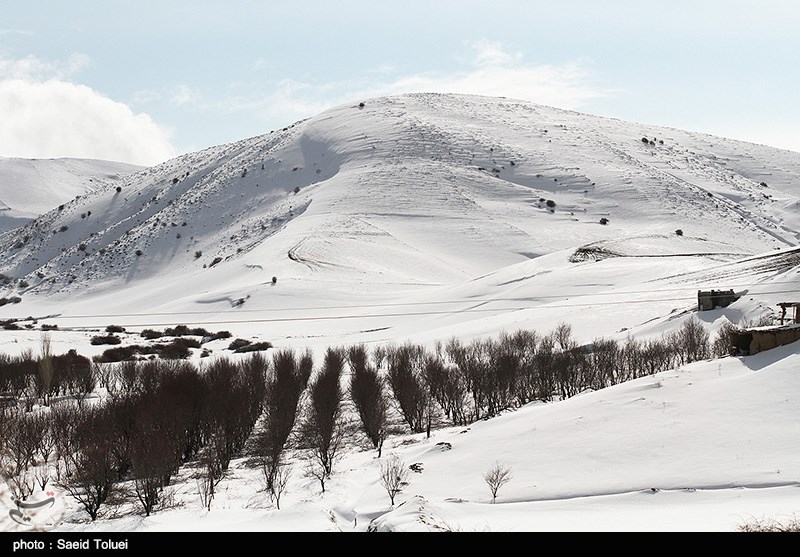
160 415
30 379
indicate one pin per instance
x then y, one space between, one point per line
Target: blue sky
141 81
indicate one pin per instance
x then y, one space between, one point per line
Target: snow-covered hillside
448 210
31 187
428 217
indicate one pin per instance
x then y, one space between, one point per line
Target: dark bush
603 220
187 342
238 343
177 331
679 232
173 351
550 203
254 347
105 339
151 334
121 354
217 336
183 330
115 329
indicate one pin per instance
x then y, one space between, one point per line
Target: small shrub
151 334
120 354
173 351
105 339
770 525
550 203
115 329
679 232
254 347
216 336
215 261
603 220
119 189
187 342
238 343
645 141
183 330
63 228
139 252
176 331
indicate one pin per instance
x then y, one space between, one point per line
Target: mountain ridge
405 193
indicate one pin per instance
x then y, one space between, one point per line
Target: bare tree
280 481
92 473
368 393
496 477
723 345
393 476
692 341
315 470
286 383
446 387
323 427
406 380
46 368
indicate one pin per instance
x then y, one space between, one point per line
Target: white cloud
36 69
491 71
489 54
185 95
46 116
55 118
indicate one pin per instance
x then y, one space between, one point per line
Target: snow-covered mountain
423 217
31 187
457 211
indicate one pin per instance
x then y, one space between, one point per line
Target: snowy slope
423 217
31 187
413 199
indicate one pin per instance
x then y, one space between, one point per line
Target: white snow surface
423 217
31 187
